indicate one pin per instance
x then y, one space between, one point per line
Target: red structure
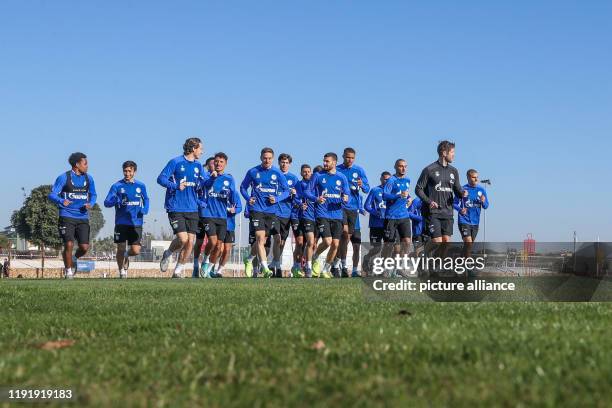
529 245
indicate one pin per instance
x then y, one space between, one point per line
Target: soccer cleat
345 273
308 273
266 272
177 275
316 268
248 267
278 272
207 270
355 274
335 272
326 275
68 275
123 274
165 261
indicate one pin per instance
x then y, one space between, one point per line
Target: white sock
309 264
206 258
219 270
264 264
336 262
343 262
179 268
68 271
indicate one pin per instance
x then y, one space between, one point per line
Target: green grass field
297 343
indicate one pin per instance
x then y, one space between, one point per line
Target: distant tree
104 245
96 221
5 243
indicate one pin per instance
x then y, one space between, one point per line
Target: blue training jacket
130 200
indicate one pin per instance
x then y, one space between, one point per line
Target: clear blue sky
524 88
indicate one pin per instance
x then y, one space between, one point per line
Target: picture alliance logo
413 264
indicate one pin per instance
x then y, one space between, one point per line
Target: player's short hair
349 150
75 158
399 160
385 173
285 156
332 155
266 150
221 155
445 146
471 171
304 166
317 169
191 144
129 163
211 158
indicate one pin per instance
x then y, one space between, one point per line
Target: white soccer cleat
123 274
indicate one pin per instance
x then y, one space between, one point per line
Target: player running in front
375 205
397 218
131 201
358 182
74 193
182 177
469 209
263 187
330 190
436 186
220 189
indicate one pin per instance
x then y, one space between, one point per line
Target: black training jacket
440 184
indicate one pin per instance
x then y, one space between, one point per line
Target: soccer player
263 187
469 208
131 201
330 190
182 177
74 193
235 207
397 218
209 166
304 233
436 186
220 189
284 210
375 205
358 182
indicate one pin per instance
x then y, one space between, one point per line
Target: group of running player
321 210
